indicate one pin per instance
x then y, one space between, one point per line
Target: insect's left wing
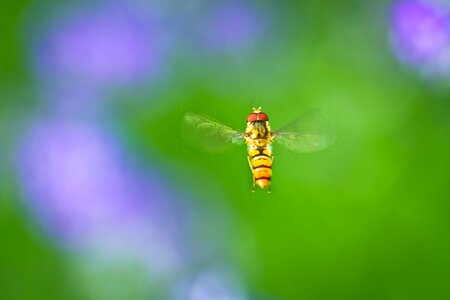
309 133
208 134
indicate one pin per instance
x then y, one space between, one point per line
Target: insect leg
250 163
253 174
268 188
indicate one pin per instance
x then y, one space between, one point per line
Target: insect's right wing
208 134
311 132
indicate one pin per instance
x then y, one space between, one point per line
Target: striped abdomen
261 162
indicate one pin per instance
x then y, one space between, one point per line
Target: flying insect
309 133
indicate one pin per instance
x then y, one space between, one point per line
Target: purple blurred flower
79 185
72 100
231 25
211 284
420 32
102 45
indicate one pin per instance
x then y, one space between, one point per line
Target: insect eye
257 117
263 117
252 117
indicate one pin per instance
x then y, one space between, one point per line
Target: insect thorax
258 134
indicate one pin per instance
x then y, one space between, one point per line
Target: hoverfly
309 133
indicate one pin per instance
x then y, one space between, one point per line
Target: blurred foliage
366 219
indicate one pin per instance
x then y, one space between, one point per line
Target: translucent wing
208 134
311 132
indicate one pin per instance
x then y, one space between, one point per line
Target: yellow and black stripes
258 137
260 160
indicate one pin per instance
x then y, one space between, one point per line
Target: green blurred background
367 218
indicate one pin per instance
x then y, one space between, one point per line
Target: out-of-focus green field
368 218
